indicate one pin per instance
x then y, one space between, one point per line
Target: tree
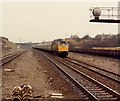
86 37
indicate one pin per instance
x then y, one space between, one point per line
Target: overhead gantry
105 14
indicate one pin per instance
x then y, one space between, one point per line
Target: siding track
92 89
113 76
7 58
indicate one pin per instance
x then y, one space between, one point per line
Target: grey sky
39 21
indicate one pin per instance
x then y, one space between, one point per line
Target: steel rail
93 98
115 77
99 83
114 93
10 57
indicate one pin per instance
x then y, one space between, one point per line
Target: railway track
91 88
108 74
110 79
8 57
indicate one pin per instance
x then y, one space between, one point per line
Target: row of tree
102 40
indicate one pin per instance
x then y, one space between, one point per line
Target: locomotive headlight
96 12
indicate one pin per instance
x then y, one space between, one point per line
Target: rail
7 58
97 90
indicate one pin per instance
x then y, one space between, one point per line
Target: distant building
103 36
74 36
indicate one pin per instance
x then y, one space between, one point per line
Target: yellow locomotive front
60 48
63 49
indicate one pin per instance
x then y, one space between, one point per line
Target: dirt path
27 71
33 69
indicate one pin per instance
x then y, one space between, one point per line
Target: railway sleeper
100 91
95 89
105 96
96 93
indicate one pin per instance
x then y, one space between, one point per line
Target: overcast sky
43 21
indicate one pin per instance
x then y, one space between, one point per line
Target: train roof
107 48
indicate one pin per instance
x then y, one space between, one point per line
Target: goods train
104 51
107 51
59 48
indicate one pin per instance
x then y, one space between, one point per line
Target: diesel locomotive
59 48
